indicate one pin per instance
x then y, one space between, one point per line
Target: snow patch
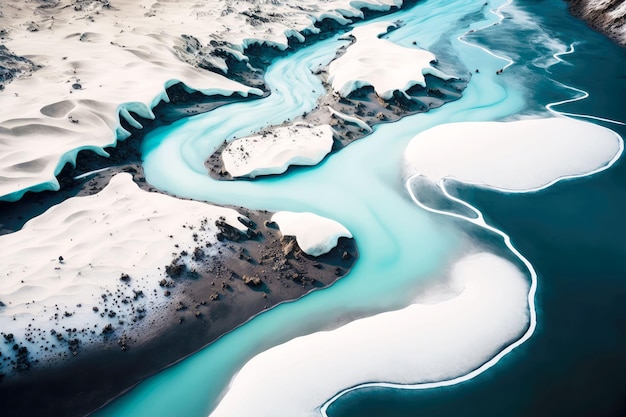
350 119
274 151
380 63
316 235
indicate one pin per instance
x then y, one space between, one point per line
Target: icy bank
379 63
274 151
485 307
315 235
98 60
513 156
97 261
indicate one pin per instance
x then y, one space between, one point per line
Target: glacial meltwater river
572 232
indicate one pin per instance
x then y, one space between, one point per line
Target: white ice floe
96 60
274 151
315 235
380 63
65 260
522 155
485 309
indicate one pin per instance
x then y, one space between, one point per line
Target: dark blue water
574 233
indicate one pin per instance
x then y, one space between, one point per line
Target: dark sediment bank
253 271
365 105
601 18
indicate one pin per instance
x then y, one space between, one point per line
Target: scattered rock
247 222
123 343
252 281
32 27
290 248
228 232
175 270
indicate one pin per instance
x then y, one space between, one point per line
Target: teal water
361 186
572 232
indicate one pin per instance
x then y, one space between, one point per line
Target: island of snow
384 65
519 156
274 151
314 234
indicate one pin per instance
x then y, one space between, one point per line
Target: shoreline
202 306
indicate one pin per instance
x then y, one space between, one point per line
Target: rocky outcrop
606 16
11 65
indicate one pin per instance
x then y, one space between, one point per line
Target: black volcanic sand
252 272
